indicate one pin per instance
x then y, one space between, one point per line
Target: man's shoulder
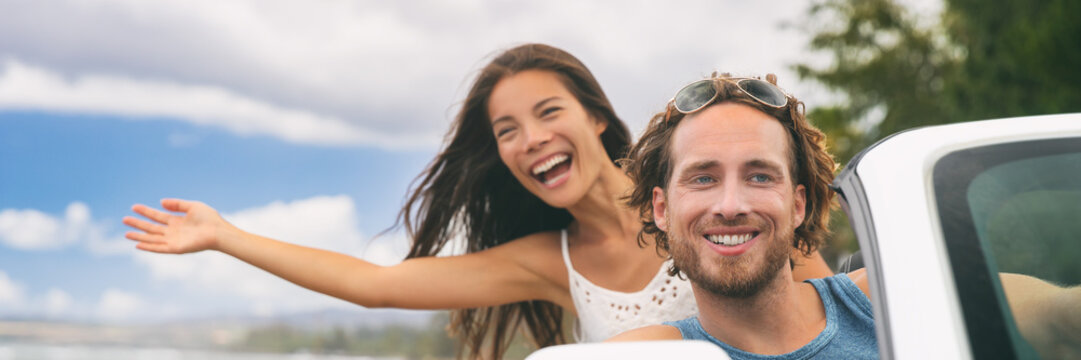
653 332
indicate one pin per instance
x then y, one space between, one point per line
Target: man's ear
800 202
660 206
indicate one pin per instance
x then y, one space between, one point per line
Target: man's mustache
716 221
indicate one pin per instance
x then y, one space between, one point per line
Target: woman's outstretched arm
516 271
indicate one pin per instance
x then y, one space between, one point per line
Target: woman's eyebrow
536 108
541 103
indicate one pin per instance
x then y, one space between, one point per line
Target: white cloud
397 69
27 87
11 292
34 230
57 302
119 305
31 229
326 222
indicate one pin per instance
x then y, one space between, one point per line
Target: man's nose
732 201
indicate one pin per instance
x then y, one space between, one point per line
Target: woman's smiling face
547 139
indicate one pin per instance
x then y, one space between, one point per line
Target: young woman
528 179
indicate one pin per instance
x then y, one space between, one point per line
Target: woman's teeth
547 165
729 240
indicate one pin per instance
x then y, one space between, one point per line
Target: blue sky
107 163
302 121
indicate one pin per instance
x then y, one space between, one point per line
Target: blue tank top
849 332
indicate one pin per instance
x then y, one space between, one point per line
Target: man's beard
737 277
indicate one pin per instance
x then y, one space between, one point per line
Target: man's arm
1048 316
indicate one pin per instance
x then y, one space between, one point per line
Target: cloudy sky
304 121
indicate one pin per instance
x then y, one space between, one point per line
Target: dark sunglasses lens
694 96
764 92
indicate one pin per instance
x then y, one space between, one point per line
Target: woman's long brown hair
467 191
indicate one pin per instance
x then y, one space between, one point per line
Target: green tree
1021 57
891 71
980 60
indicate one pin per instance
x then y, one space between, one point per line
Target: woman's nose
536 136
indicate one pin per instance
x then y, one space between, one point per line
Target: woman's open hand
197 228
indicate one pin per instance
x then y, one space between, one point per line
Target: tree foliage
980 60
1022 57
885 65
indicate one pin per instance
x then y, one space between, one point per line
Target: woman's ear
599 124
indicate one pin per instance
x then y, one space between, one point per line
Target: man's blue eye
760 178
703 180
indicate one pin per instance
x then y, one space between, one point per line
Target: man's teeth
729 240
545 166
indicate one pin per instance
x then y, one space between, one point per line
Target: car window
1029 212
1010 208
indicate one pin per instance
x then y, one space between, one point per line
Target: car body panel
889 195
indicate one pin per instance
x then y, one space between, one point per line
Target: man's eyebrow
764 164
701 165
535 109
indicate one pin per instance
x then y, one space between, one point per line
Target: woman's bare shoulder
539 241
859 277
540 252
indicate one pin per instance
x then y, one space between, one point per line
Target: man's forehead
726 133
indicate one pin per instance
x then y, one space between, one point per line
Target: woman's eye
503 131
549 111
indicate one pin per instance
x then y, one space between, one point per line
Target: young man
729 179
733 177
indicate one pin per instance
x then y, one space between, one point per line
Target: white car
939 212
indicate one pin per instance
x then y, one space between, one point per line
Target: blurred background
307 121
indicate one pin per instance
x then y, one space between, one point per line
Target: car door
941 211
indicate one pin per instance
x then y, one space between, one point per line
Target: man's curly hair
650 164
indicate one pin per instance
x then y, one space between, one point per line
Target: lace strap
566 252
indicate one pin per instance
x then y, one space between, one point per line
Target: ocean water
26 351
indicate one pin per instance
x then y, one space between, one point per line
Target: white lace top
603 313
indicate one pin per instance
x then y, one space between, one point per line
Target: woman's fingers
145 238
151 213
176 205
154 247
146 226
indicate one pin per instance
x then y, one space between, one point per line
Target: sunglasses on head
701 93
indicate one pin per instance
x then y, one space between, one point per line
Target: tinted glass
695 95
1011 217
764 92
